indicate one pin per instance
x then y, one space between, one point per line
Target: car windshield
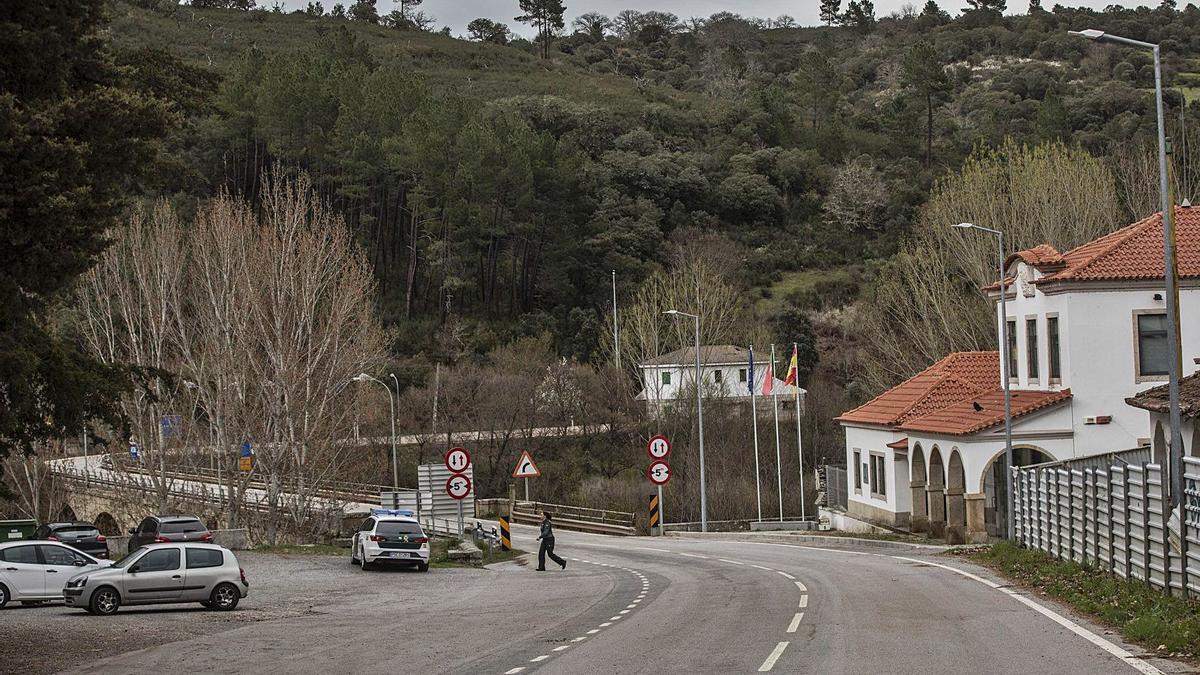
181 526
129 558
391 528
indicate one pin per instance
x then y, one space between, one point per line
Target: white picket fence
1114 519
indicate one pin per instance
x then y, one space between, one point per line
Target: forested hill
495 189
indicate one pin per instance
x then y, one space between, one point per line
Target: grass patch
1154 620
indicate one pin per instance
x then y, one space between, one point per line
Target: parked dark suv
168 529
80 536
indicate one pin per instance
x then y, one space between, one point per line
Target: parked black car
78 535
168 529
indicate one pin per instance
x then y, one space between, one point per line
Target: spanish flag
792 368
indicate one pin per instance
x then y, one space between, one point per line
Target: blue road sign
135 453
247 449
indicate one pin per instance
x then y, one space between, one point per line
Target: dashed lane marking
536 659
593 631
795 622
772 658
802 587
694 555
762 568
559 649
514 671
581 638
785 574
803 601
731 562
647 548
606 624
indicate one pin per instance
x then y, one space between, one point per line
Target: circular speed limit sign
458 487
658 447
659 472
457 460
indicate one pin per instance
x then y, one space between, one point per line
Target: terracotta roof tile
954 378
963 418
1135 252
1157 399
1042 256
709 355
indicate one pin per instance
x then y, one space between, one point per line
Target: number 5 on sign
458 486
659 472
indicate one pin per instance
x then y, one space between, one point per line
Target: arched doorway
935 492
995 485
1195 438
956 508
920 508
107 525
1159 447
66 513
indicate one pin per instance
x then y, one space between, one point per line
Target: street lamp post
363 377
1169 272
1004 374
699 418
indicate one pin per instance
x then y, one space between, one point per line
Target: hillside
495 191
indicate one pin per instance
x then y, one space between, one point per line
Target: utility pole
616 330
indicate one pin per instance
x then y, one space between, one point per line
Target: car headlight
78 583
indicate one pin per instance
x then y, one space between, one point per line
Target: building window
666 378
858 471
1153 356
878 477
1052 345
717 376
1012 349
1031 348
742 375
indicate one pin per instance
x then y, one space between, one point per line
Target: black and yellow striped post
505 534
655 514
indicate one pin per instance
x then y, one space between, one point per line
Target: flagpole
799 440
778 457
754 418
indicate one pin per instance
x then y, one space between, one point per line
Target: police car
390 536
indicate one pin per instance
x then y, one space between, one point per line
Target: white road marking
694 555
559 649
581 638
606 624
543 657
802 587
785 574
803 601
624 611
762 568
731 562
593 631
647 548
514 671
614 618
1133 661
775 654
795 622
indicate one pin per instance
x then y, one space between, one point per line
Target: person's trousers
547 549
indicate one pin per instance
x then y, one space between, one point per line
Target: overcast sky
456 13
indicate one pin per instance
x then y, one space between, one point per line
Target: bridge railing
566 517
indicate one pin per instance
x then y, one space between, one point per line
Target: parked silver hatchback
160 574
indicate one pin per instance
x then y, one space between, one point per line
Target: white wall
1097 334
731 384
874 440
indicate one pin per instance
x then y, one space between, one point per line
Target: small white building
1156 401
724 371
1087 330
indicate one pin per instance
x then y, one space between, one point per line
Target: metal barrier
576 518
832 487
1115 518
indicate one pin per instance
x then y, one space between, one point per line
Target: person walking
547 548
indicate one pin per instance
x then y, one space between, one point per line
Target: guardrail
600 521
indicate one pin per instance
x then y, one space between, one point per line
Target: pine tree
544 15
364 10
830 9
923 72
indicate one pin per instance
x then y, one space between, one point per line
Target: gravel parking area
48 638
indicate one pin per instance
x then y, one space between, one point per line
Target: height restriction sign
658 447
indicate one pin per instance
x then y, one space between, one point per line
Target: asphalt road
640 605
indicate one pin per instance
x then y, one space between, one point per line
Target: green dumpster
17 529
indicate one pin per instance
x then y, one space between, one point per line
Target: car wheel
353 556
3 596
362 560
105 601
423 567
225 597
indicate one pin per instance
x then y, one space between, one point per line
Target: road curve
634 605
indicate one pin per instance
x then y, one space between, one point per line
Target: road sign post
458 487
526 469
505 533
658 447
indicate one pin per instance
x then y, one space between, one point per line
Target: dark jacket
547 530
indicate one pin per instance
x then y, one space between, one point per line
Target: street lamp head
1091 33
671 312
965 226
361 377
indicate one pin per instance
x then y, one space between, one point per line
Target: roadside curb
777 538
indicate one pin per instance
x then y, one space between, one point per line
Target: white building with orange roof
1087 329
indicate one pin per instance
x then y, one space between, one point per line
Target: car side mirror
133 531
134 569
80 563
